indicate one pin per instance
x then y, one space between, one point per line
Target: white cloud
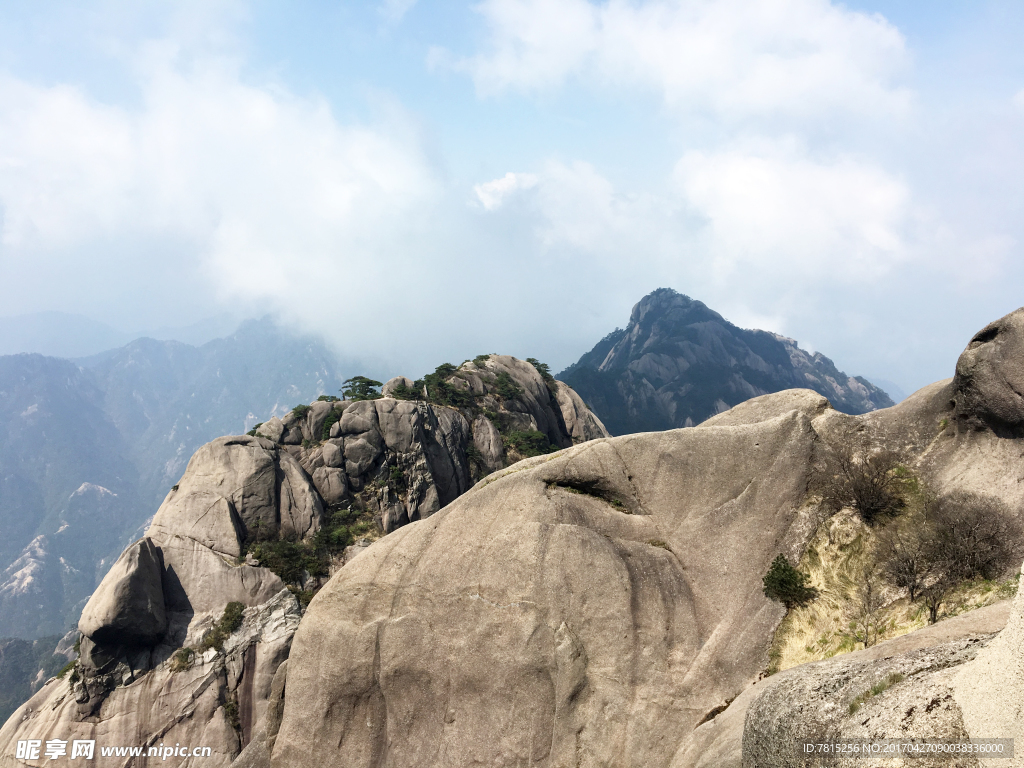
777 208
263 187
394 11
731 57
491 194
1018 100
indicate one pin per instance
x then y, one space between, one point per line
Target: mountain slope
678 363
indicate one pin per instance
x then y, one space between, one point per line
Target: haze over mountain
678 363
65 334
87 452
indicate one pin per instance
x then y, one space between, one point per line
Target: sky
423 182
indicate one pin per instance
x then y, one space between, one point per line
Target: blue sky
425 181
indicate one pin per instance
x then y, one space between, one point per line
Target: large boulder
989 381
128 606
580 608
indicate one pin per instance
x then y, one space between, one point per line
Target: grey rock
260 485
524 619
400 423
815 703
487 440
333 453
300 508
185 706
581 423
273 429
988 388
257 754
359 418
128 606
390 384
718 743
332 484
313 424
360 455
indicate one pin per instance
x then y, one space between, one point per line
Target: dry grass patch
836 560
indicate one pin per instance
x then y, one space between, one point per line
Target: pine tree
785 584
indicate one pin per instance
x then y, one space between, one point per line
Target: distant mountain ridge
678 363
89 448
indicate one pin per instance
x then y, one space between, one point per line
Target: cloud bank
799 182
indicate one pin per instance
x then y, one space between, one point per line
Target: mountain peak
679 362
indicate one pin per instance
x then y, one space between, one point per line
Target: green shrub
231 713
230 621
327 399
181 659
66 668
544 371
301 410
529 442
506 387
332 418
397 479
304 596
785 584
288 559
479 360
252 432
361 388
875 690
501 421
404 392
440 391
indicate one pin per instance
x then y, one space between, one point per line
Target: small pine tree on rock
785 584
361 388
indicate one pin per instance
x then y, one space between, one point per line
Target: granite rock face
404 459
144 675
583 609
988 388
678 363
597 605
128 606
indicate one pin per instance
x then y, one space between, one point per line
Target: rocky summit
598 603
678 363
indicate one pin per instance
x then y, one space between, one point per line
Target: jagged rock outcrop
603 605
404 459
597 605
160 659
678 363
145 674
